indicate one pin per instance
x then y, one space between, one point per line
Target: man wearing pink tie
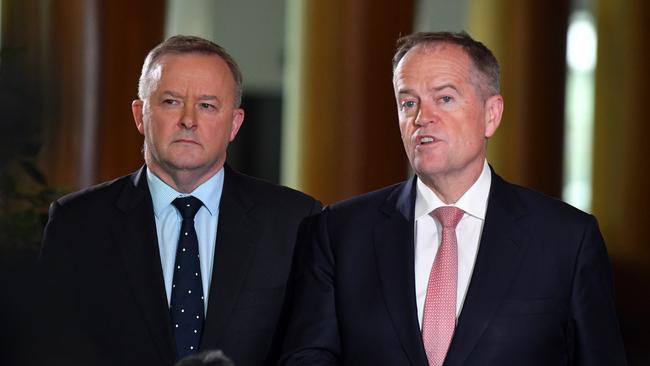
454 266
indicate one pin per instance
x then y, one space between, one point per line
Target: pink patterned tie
439 318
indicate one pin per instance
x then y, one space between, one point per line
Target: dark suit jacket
540 292
102 283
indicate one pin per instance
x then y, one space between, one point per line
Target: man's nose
426 114
188 118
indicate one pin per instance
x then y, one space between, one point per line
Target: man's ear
136 108
493 113
237 120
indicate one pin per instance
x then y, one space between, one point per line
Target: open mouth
426 140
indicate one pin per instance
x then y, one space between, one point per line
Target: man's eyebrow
405 91
201 97
171 94
445 86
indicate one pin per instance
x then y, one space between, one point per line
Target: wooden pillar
621 170
340 97
92 55
64 97
529 39
128 30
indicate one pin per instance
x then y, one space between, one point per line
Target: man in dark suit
454 266
125 281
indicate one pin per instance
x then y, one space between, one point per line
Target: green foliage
24 198
24 192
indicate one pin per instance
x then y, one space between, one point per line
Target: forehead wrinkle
463 66
200 97
171 94
208 97
475 77
445 86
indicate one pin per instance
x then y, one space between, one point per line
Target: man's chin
427 168
189 167
194 165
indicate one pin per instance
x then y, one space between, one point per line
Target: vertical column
92 53
529 40
128 30
90 91
341 134
64 100
621 173
621 170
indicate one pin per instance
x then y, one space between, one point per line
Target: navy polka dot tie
186 306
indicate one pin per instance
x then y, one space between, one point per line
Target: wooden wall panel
529 39
128 30
621 167
350 140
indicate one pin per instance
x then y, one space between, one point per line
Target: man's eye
170 101
206 106
408 104
446 99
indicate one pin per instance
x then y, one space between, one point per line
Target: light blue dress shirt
168 226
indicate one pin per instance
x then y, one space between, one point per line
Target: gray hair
180 45
483 59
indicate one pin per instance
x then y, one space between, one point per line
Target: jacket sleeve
59 338
593 314
313 334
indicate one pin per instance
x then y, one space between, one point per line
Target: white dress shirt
468 234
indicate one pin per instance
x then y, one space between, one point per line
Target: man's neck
184 181
451 186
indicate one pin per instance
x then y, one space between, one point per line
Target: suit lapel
237 238
499 257
134 233
394 249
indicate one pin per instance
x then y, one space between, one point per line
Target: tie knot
187 206
449 216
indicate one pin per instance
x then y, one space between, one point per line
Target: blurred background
320 111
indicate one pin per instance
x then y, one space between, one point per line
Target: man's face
444 120
189 118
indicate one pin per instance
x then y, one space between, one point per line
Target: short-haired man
455 266
185 254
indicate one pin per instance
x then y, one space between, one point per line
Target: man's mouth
424 140
186 141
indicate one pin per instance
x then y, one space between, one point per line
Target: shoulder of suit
538 203
265 190
102 193
368 200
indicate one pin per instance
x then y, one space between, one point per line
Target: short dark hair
484 61
179 45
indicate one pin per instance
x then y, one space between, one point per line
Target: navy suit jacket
540 292
102 287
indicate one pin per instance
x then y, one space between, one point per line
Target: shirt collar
209 192
473 201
